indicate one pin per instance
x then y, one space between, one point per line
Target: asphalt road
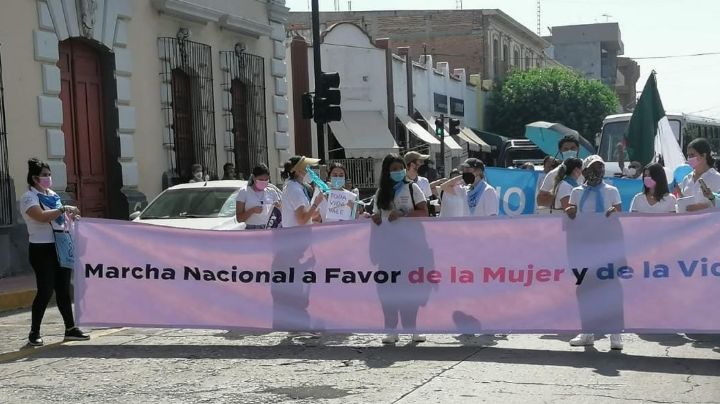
197 366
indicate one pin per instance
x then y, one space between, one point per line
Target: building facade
484 42
122 97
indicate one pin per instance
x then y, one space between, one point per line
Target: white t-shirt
403 200
689 187
488 205
549 181
265 198
453 205
323 206
564 189
640 204
611 197
424 185
293 197
39 232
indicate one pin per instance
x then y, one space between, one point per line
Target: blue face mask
398 176
337 182
568 154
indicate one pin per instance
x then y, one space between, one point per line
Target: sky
648 28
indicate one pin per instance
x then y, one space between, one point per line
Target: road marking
28 351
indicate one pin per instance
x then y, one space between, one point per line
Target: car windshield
612 135
192 203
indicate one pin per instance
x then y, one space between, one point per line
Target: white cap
590 160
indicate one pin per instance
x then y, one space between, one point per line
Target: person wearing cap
595 196
568 146
299 206
480 198
413 162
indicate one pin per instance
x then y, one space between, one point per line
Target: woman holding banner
565 181
255 203
703 181
656 196
45 215
337 179
397 196
299 207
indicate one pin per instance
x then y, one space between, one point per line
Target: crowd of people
571 187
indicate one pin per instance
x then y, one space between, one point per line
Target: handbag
65 248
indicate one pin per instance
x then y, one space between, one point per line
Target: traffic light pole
442 148
317 67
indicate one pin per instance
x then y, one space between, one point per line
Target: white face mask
581 179
568 154
199 175
631 172
306 179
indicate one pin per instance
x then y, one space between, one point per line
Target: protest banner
528 274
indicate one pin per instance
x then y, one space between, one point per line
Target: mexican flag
649 135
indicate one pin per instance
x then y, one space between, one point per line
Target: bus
686 128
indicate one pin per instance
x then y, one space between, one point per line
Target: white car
201 205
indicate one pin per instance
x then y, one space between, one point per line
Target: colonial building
484 42
122 97
388 105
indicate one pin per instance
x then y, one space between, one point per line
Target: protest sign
337 204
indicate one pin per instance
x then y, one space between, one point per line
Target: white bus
685 127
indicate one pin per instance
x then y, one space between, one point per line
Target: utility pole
538 17
317 67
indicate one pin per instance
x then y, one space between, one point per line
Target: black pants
50 277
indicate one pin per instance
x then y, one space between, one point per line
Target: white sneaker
418 338
583 340
390 339
616 342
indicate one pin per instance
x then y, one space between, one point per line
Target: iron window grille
6 202
244 110
188 105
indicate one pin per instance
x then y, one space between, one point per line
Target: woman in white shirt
701 161
44 214
397 196
566 180
480 199
337 179
255 203
656 196
299 207
452 204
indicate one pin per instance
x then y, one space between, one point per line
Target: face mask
398 176
468 178
693 162
199 176
261 185
649 182
337 182
568 154
632 171
45 182
306 179
594 175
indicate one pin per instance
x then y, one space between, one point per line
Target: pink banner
533 274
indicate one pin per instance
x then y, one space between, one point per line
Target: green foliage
552 95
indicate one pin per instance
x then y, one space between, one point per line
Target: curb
20 299
28 351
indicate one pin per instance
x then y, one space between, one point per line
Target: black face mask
469 178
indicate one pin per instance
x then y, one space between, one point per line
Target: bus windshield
612 135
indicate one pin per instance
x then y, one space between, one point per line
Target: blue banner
516 189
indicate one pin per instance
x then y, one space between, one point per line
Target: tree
553 95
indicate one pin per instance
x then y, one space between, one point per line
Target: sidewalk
17 292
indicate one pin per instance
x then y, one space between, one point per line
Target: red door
82 100
183 126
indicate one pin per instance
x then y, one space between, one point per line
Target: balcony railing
360 172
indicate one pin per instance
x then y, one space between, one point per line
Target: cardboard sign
338 208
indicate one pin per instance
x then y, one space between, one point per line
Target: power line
676 56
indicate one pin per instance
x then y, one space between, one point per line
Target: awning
468 133
364 134
418 130
449 141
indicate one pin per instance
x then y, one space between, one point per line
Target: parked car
201 205
516 152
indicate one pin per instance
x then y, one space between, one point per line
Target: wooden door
238 91
183 123
82 99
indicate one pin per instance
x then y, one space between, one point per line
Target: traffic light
454 126
327 98
439 128
307 106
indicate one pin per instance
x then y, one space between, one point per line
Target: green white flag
644 123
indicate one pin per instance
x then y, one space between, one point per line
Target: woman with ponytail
567 177
45 214
255 203
299 206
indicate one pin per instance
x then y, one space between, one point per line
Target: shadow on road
604 363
